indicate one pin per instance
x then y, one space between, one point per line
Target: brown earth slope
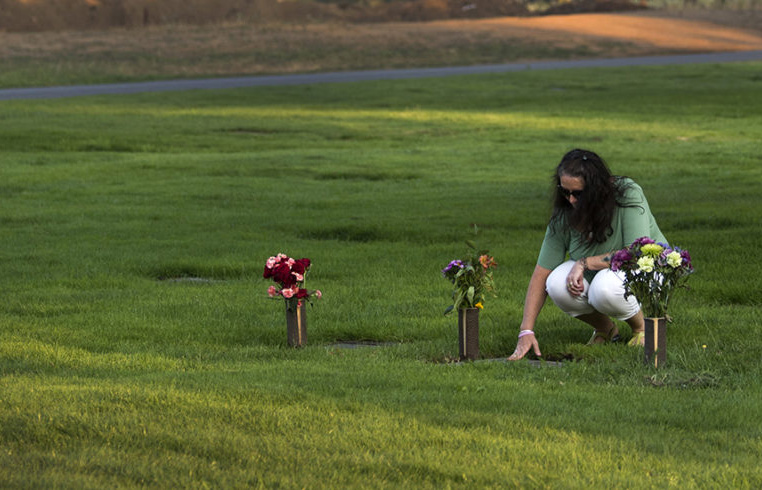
240 48
645 29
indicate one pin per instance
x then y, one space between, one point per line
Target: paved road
359 76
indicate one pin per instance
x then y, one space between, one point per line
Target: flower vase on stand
656 341
468 333
472 281
296 321
653 272
290 275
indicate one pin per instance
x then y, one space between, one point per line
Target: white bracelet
526 332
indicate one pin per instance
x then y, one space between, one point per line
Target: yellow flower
652 249
479 305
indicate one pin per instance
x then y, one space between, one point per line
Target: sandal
638 339
611 336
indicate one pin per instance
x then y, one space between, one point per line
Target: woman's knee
555 285
556 288
607 295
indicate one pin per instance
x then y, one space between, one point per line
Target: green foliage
471 276
138 346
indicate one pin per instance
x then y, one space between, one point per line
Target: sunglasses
567 193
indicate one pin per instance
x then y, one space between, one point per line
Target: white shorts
604 294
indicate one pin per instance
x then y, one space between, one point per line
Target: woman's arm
596 262
535 299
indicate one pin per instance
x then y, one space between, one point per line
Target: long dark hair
596 204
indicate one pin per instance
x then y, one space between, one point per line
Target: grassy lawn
138 346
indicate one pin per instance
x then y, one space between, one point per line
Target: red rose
302 293
300 266
282 274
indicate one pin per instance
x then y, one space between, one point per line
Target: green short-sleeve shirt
632 220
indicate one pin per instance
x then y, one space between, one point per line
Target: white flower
646 264
674 259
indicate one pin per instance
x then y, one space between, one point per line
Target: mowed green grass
138 347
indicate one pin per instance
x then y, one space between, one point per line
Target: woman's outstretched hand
522 347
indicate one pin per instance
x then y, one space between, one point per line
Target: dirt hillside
659 30
237 48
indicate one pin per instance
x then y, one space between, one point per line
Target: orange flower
487 261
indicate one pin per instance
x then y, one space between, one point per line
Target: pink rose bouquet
289 275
